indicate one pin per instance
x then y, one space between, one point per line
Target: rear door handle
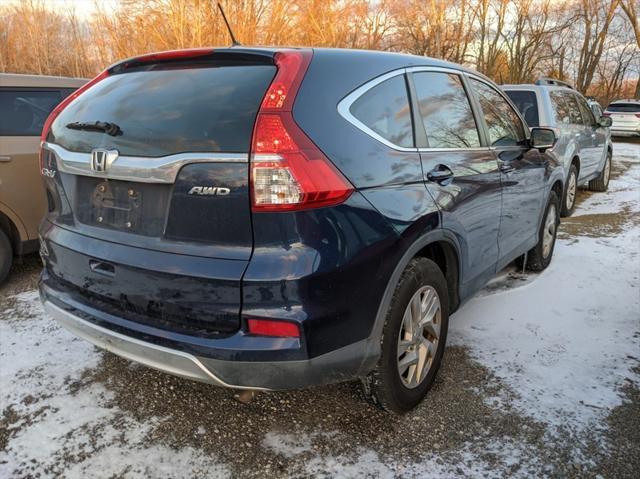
440 173
5 159
103 268
505 167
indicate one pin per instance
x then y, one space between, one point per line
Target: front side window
503 123
385 110
24 112
445 111
575 117
587 115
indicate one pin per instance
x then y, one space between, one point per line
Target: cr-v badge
102 159
209 190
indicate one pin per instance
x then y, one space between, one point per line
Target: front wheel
539 257
601 183
413 339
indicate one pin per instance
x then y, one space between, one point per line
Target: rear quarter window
168 111
527 103
23 112
385 110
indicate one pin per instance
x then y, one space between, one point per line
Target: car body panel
21 188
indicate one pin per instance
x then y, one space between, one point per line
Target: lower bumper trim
158 357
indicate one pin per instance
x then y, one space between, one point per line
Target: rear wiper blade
103 126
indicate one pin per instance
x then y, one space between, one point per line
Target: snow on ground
38 362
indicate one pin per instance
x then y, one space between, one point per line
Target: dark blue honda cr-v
280 218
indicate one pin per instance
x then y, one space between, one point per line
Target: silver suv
584 142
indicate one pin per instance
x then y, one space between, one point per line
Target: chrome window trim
344 106
162 169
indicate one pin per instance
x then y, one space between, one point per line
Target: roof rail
553 81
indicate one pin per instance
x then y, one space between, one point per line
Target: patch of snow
563 341
79 433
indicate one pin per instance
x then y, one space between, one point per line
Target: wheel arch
441 247
11 229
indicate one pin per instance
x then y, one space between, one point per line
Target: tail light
606 114
269 327
288 171
62 105
637 115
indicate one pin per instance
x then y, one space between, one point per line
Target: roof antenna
234 42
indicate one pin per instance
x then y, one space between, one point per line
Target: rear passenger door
23 113
460 172
522 172
595 134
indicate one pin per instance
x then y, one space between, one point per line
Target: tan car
25 103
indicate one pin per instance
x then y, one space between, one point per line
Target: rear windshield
527 103
167 111
624 108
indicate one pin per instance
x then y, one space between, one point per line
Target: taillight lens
269 327
288 171
638 115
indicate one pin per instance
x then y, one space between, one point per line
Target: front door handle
5 159
440 173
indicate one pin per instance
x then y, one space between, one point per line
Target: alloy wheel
549 232
418 337
571 191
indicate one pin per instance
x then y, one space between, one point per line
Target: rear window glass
624 108
445 111
168 111
23 112
527 103
385 110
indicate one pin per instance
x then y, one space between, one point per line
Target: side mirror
605 121
542 138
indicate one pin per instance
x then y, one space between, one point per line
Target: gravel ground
70 410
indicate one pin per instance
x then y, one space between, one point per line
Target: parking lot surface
541 377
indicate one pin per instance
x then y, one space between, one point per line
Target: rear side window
503 123
445 111
527 103
385 110
163 111
23 112
560 107
624 108
575 117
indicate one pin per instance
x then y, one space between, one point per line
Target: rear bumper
340 365
625 131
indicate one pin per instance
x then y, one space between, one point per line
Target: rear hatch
625 115
154 157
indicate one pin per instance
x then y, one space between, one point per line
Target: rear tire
413 339
539 257
6 256
601 183
570 193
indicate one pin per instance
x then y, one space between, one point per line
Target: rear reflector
268 327
288 171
